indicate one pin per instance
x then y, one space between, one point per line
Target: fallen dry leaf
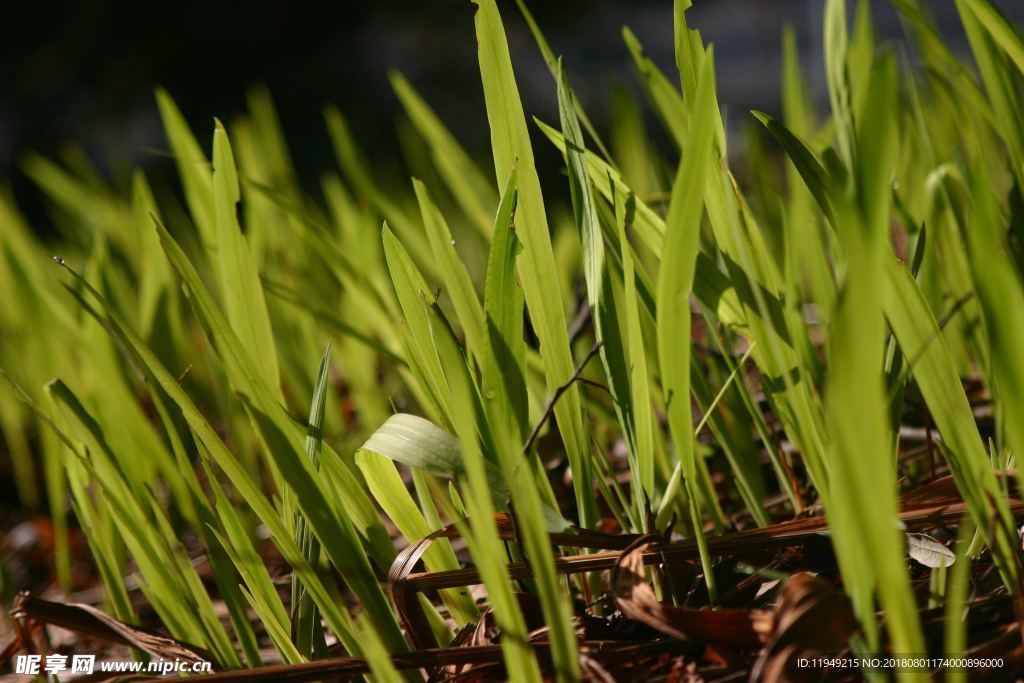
91 621
730 628
812 616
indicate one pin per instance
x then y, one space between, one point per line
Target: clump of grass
809 312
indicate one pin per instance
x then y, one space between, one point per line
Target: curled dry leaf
729 628
812 615
91 621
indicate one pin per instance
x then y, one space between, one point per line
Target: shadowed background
84 72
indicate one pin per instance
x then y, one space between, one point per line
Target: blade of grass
471 189
639 380
309 637
510 143
172 584
261 592
675 282
240 286
456 277
836 46
225 460
504 402
867 544
1001 30
194 168
553 67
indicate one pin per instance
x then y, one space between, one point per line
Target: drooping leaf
419 443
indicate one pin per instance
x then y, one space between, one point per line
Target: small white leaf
928 551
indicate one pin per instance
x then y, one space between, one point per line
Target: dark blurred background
84 71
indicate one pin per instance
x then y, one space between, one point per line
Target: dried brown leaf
88 620
730 628
811 616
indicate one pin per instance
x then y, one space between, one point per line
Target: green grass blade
999 27
246 380
504 368
412 289
359 173
484 542
335 531
812 172
667 100
956 596
309 637
471 189
997 47
456 277
225 460
505 405
108 555
582 197
510 143
639 380
918 335
194 168
377 654
261 591
999 290
174 587
240 287
921 341
552 62
689 49
600 293
391 493
675 282
836 45
868 544
711 287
